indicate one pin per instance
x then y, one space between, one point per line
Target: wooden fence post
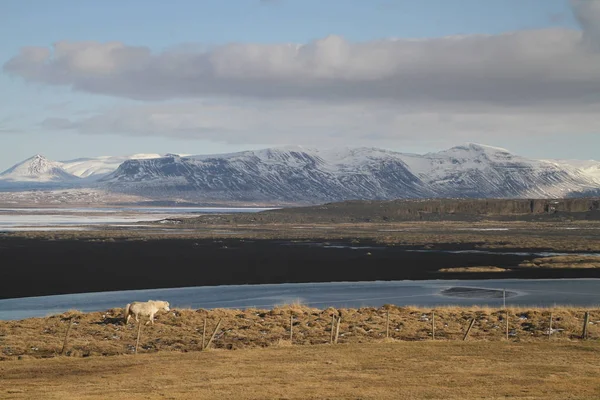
213 335
469 329
387 325
137 341
291 326
506 324
433 325
332 328
586 320
337 329
64 346
203 334
550 328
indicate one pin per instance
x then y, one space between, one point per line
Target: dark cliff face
465 210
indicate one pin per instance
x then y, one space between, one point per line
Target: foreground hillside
399 370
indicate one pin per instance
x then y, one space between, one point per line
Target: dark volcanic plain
303 245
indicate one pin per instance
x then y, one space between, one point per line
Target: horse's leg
127 319
152 318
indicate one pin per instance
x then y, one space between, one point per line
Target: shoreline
39 267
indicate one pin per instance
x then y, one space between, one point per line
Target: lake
519 292
40 219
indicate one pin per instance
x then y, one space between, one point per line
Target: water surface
45 219
545 293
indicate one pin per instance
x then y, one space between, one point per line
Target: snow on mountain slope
475 170
37 169
276 174
96 167
295 174
590 168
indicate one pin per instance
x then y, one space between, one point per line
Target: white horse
148 308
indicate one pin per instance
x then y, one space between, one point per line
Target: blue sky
64 114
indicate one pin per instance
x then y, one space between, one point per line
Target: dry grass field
385 370
105 334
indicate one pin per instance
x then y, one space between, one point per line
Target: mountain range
294 174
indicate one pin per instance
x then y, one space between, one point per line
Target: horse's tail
126 314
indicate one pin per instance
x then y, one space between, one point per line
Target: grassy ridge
103 333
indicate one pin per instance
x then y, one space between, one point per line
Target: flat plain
393 370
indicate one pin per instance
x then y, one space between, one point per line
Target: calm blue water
545 293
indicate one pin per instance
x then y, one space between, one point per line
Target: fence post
64 346
332 328
387 325
203 334
586 320
550 328
506 324
469 329
337 329
213 335
432 325
291 326
137 341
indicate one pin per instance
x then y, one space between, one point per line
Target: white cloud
518 67
472 87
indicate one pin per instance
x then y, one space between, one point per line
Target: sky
81 78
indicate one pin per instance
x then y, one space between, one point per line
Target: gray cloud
312 122
587 13
452 89
514 68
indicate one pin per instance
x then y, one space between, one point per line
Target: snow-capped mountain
37 170
590 168
475 170
96 167
310 175
290 174
295 174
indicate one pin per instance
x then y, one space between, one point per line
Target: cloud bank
537 81
526 66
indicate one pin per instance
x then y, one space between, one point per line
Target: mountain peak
482 148
37 169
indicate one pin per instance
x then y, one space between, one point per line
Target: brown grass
563 262
399 370
103 333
